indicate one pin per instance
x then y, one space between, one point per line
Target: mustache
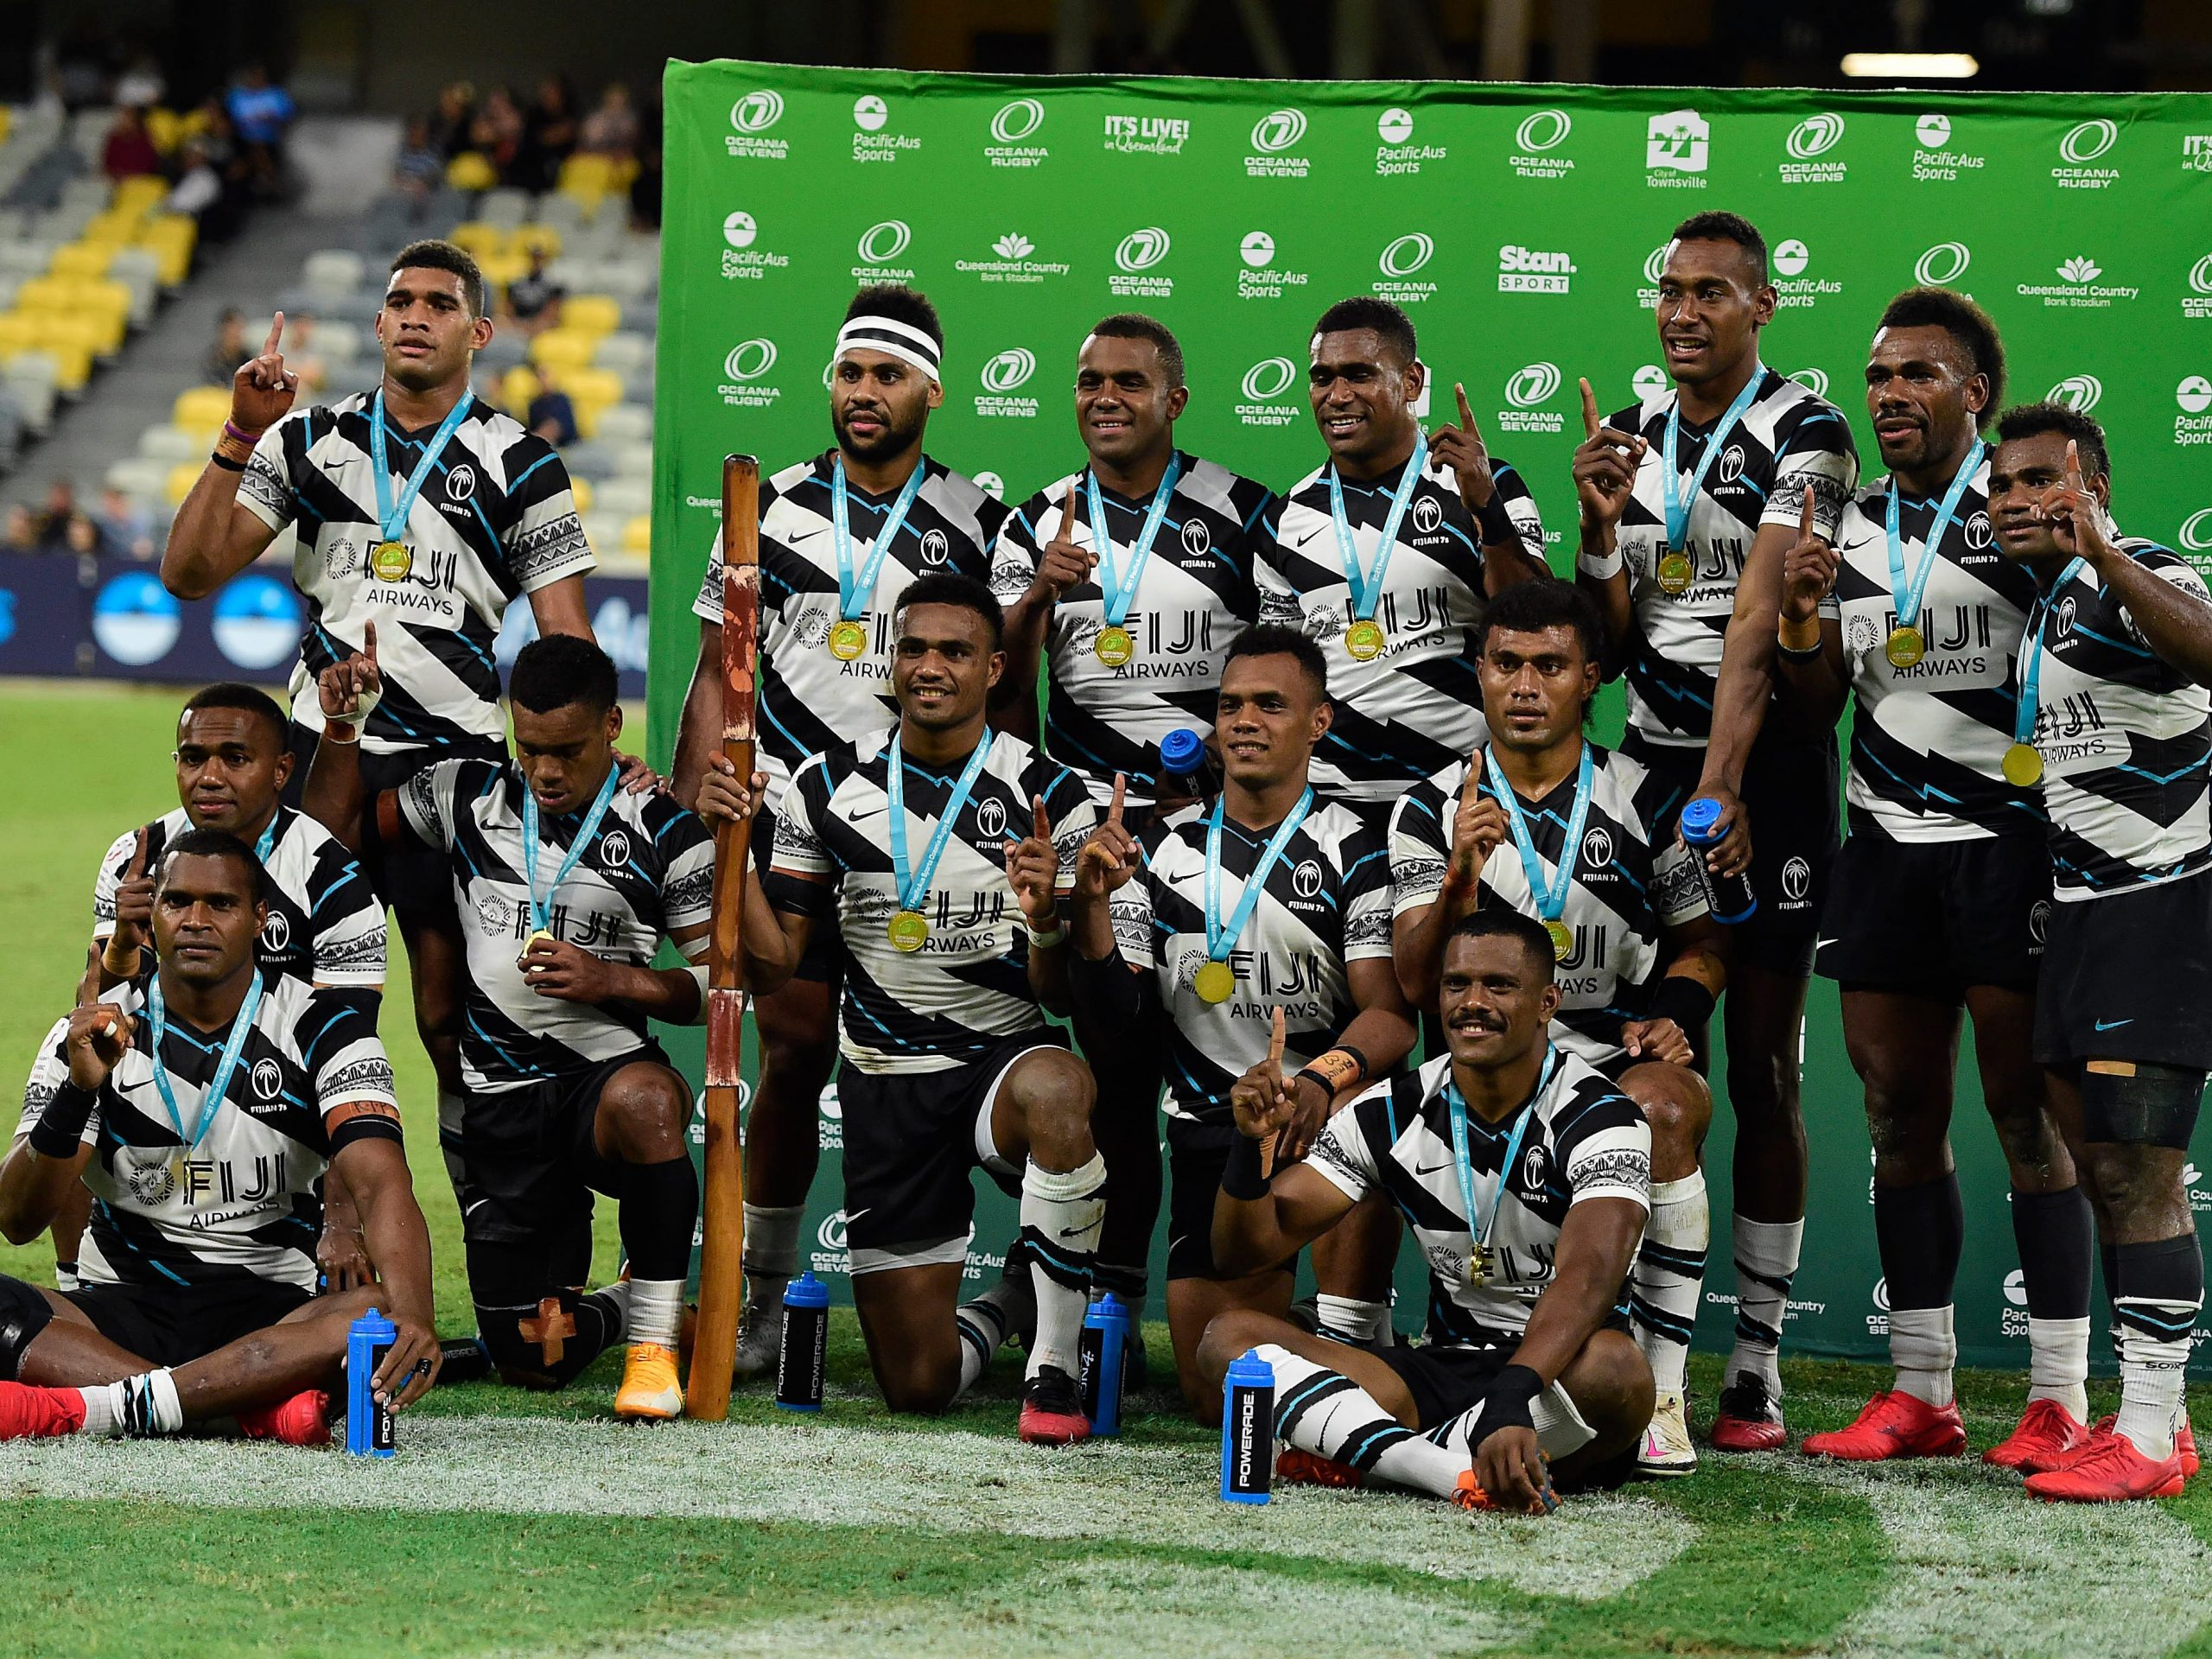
1477 1021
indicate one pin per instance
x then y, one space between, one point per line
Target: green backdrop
1520 226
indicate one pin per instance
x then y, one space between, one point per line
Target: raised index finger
138 859
275 333
1805 517
1589 412
1275 1037
1466 414
2074 467
1044 823
1067 513
369 642
1114 807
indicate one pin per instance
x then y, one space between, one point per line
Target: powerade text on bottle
369 1429
1729 897
1248 1429
1101 1361
801 1369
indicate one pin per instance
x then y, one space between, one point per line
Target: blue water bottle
1182 753
369 1431
1248 1429
1730 898
1100 1362
802 1368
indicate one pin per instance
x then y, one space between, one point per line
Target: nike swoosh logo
1431 1170
1073 1232
796 537
2115 1025
1303 540
872 812
1822 944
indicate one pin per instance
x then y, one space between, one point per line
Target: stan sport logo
1265 398
1527 393
1146 135
1002 379
743 260
871 139
1536 145
1276 137
2084 145
1397 154
745 368
1935 160
750 119
1675 149
1136 258
1399 262
1807 147
1533 271
1014 133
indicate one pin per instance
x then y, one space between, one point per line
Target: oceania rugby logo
1016 121
2088 141
739 230
831 1232
1814 380
2197 531
1269 379
1277 131
2079 393
756 111
882 242
1009 370
1534 385
749 360
1142 250
1407 255
1944 262
1814 135
1545 129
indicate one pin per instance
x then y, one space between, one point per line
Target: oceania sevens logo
1944 262
1532 385
2079 393
1009 370
1277 131
1407 255
749 360
882 242
1142 250
2196 530
1545 129
756 111
1814 135
1016 121
2088 141
1269 379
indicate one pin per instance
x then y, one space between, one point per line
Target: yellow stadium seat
201 406
517 388
481 240
171 239
112 228
17 331
563 349
581 487
470 171
86 261
638 536
591 314
525 238
193 122
91 331
139 195
7 121
181 477
500 268
587 178
166 128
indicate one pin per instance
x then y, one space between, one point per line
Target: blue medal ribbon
1678 512
1478 1227
1221 940
2028 704
391 516
261 847
854 591
1367 586
211 1102
541 909
1904 596
914 888
1121 591
1548 896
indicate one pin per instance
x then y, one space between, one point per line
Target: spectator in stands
60 508
645 192
260 115
231 348
81 533
198 191
551 415
612 128
301 356
19 531
418 168
129 151
142 85
449 126
126 526
548 131
495 133
533 300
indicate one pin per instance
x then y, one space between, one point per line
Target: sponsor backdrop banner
1521 227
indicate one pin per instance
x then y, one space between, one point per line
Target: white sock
1924 1351
2151 1377
2058 1364
770 1258
1325 1413
1348 1316
1668 1273
1766 1261
983 1326
1560 1430
1061 1213
656 1312
138 1408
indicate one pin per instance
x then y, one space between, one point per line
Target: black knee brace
24 1311
2155 1106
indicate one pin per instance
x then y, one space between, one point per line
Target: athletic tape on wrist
362 705
1600 567
1506 1405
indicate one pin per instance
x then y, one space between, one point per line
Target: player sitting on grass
954 947
566 884
1525 1177
199 1100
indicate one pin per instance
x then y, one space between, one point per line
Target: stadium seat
631 460
483 241
604 531
140 477
171 238
87 260
140 195
587 178
505 349
27 257
585 494
626 495
562 349
564 213
169 443
517 387
587 459
505 207
201 407
637 536
627 423
32 378
594 314
181 477
592 390
470 171
627 354
335 271
525 238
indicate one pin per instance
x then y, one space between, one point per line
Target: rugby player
945 850
2118 721
567 885
1542 820
422 509
840 535
1133 645
200 1099
1187 935
1524 1173
1688 500
1943 890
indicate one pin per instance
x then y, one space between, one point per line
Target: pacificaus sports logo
1533 271
1792 259
750 119
2193 426
1275 138
881 249
1808 144
1675 150
1397 155
1650 381
2086 143
2078 287
1528 390
1401 260
1002 376
745 367
1266 399
1536 142
743 258
1014 263
1137 258
871 143
1146 135
1935 162
1014 132
1258 276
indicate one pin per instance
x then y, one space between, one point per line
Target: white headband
892 337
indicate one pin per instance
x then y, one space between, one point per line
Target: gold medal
1905 646
1364 639
1481 1261
1113 646
1675 571
1561 935
2021 766
536 934
390 561
908 930
1216 981
848 639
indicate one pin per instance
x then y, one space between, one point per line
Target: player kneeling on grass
1525 1177
566 885
954 948
199 1100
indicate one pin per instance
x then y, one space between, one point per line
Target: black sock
2056 1232
1919 1231
660 1206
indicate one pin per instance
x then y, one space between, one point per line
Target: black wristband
1683 1001
1244 1177
1319 1077
1496 523
61 1128
1506 1405
227 463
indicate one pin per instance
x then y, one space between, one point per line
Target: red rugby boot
1893 1425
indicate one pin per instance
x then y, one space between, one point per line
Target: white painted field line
834 1476
1985 1570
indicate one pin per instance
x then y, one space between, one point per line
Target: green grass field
530 1524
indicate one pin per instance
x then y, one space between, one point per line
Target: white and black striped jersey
1787 439
2126 741
649 872
1624 894
1927 742
1407 713
1586 1141
495 518
1326 905
244 1204
967 990
810 701
326 923
1195 594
